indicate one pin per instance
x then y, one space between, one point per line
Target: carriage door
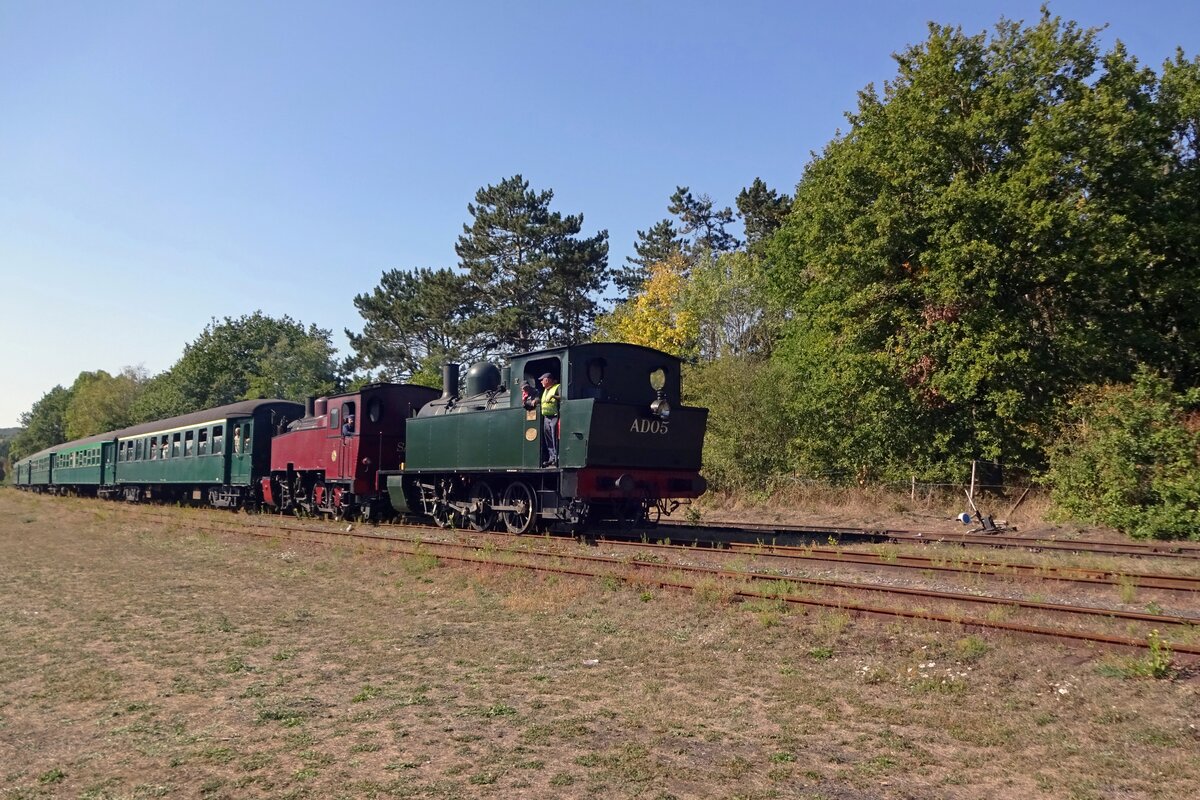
241 453
347 452
108 465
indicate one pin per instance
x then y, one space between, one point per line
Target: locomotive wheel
520 495
482 500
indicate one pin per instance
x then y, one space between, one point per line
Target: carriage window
153 447
218 439
202 442
176 450
187 443
137 450
658 379
246 438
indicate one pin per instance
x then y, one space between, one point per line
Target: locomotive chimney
449 381
308 405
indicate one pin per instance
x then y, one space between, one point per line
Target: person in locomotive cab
551 397
348 425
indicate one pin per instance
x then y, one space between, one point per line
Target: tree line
998 259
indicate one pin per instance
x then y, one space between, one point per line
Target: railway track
996 569
1055 620
749 533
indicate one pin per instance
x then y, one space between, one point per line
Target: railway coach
213 456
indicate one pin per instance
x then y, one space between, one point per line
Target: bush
1129 457
746 444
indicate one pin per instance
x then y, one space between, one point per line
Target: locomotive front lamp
661 407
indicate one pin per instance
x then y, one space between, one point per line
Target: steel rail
1148 549
420 546
1087 575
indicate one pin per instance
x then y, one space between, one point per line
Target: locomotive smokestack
449 381
308 405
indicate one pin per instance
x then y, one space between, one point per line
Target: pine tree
704 226
415 321
653 246
763 211
537 282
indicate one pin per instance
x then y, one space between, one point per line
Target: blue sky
164 163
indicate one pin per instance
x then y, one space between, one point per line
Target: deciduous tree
102 402
1014 217
44 425
657 316
244 358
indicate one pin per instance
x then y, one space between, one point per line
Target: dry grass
878 506
145 661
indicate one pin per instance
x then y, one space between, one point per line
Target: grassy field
147 660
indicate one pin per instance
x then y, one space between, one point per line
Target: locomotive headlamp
661 407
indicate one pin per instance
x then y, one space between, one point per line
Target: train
472 455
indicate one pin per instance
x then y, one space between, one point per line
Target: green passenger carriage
213 455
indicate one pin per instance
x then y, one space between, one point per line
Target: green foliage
1157 664
1129 457
727 296
746 445
101 402
43 425
1013 218
244 358
6 439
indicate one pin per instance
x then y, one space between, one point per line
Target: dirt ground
144 659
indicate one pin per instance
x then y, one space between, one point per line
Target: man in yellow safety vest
551 397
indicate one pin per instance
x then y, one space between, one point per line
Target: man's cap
546 376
